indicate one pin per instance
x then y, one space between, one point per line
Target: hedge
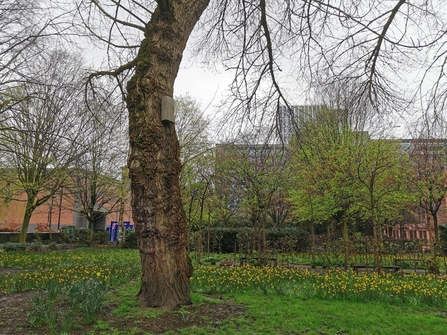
245 239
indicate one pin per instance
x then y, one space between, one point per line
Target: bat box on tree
167 109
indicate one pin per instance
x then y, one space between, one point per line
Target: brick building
59 212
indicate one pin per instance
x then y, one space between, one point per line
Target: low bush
100 237
52 245
13 246
35 246
43 228
73 234
131 239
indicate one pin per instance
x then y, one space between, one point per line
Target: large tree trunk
154 164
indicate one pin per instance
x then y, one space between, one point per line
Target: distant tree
196 155
341 174
39 141
97 173
193 128
383 174
197 189
428 158
251 173
26 28
324 186
225 202
279 210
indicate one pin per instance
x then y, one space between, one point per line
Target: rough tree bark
154 164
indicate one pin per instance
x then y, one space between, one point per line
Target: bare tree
251 173
197 182
18 31
371 43
96 174
39 140
193 127
196 179
25 30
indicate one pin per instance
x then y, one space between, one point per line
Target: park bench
413 264
227 262
391 268
260 261
363 267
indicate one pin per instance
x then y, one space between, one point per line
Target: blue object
114 229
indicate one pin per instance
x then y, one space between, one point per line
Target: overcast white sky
203 85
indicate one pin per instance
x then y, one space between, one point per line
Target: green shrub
52 245
9 246
35 246
13 246
85 236
131 238
100 237
71 234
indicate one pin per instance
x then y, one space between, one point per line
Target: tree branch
376 51
114 19
128 66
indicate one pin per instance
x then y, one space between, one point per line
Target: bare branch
115 19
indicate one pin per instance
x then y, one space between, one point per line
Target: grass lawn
290 315
258 313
